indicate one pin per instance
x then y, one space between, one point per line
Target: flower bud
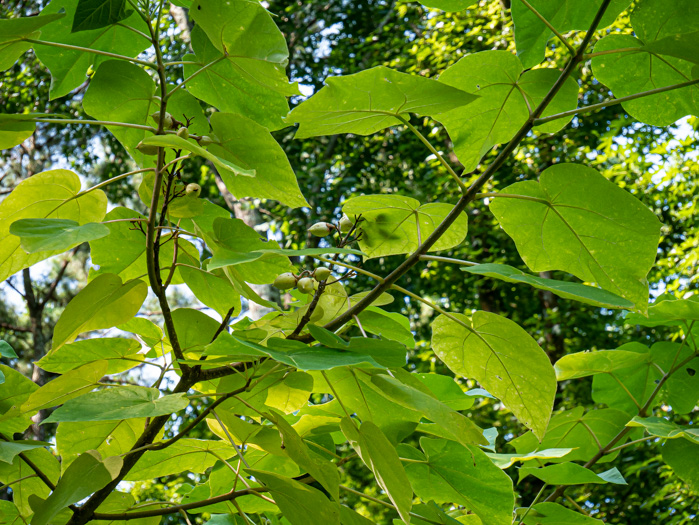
183 133
306 285
167 121
205 140
321 229
322 273
285 281
345 224
147 149
193 190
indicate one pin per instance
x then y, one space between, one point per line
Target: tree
251 381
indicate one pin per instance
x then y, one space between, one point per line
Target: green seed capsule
285 281
205 140
345 224
183 132
193 189
167 121
322 273
147 149
321 229
306 285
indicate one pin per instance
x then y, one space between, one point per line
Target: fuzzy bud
285 281
205 140
147 149
193 190
321 229
168 121
345 224
322 273
183 133
306 285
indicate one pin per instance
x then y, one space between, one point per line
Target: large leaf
657 25
215 291
120 354
532 35
683 457
13 30
122 92
668 311
463 475
247 143
372 100
85 475
105 302
249 56
193 455
504 461
555 514
571 474
566 289
506 93
379 454
664 428
124 402
575 220
96 14
10 449
14 392
573 429
69 66
393 224
504 359
583 364
459 426
45 195
41 235
26 483
14 129
299 503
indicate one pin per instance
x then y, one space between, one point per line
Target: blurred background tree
338 37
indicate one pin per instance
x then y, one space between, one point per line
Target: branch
58 278
8 326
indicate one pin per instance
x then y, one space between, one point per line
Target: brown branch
8 326
59 276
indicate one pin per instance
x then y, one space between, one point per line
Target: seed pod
183 132
147 149
321 229
285 281
193 190
205 140
322 273
167 121
306 285
345 224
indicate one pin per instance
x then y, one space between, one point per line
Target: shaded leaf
664 428
555 514
583 364
571 474
40 235
683 456
96 14
12 31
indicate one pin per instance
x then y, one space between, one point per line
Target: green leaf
9 514
40 235
664 428
15 391
214 291
245 142
109 438
555 514
655 23
194 329
448 5
120 354
668 311
6 350
10 449
504 461
506 92
455 424
291 394
575 220
249 73
13 130
85 475
571 474
683 457
371 100
113 404
69 66
322 470
394 224
379 454
462 475
57 189
447 390
122 92
299 503
230 257
66 387
33 485
583 364
175 142
504 359
105 302
532 35
96 14
565 289
573 429
13 30
389 325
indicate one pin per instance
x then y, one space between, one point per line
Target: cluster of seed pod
322 229
169 122
304 283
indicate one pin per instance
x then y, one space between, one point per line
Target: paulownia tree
299 394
